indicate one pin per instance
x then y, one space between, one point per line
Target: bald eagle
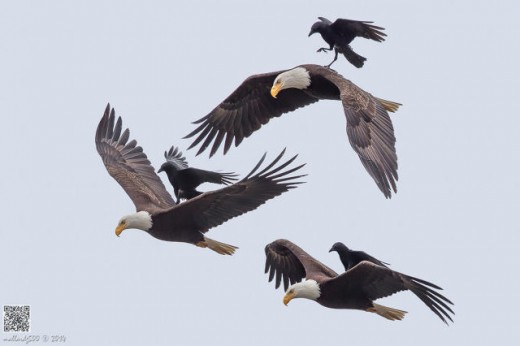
262 97
185 179
156 212
357 288
342 32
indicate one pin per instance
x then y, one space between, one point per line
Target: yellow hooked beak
120 228
288 297
276 89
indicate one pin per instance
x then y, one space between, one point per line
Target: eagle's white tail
386 312
218 247
390 106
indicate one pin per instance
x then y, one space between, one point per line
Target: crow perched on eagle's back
342 32
185 179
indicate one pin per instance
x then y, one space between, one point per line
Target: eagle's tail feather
386 312
218 247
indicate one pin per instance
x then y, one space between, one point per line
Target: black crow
185 179
343 31
351 258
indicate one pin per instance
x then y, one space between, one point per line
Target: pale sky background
163 64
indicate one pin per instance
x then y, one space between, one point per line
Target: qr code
17 318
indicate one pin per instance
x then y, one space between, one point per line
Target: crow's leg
335 58
323 49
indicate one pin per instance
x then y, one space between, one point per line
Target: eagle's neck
141 220
308 289
298 78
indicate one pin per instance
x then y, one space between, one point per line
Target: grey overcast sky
162 64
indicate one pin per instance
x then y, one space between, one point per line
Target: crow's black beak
332 249
310 33
160 170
